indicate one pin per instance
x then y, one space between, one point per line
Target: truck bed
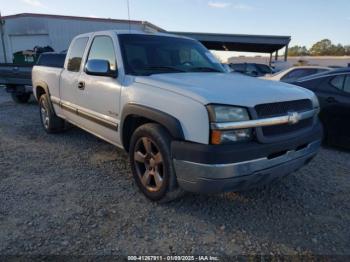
50 75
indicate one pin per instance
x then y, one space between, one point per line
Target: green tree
322 48
298 51
347 50
337 50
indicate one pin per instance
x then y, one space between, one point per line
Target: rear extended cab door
98 97
68 91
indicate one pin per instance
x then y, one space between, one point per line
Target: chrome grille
280 109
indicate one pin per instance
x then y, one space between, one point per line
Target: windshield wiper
163 68
205 69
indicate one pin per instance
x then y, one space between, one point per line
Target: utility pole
2 23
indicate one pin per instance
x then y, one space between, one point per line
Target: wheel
151 163
328 132
20 98
49 120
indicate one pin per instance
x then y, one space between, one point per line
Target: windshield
150 54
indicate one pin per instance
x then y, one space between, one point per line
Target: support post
270 63
286 54
276 55
2 22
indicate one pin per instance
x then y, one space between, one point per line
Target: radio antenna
128 5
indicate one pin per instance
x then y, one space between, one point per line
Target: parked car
252 69
227 68
18 77
186 124
294 73
333 91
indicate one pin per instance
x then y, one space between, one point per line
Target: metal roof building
242 43
24 31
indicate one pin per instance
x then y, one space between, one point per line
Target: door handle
81 85
331 100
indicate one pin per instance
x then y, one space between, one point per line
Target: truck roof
140 32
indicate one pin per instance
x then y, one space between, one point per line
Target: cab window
347 84
102 48
299 73
76 53
238 67
338 82
251 69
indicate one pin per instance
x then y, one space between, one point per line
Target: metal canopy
240 43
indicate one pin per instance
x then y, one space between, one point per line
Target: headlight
222 114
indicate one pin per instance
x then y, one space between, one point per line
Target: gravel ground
72 193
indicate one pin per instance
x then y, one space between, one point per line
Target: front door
98 99
335 103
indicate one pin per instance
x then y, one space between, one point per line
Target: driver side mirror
99 67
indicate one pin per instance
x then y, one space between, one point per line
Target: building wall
22 33
2 59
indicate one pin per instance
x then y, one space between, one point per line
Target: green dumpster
24 57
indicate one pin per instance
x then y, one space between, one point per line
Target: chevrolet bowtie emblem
293 118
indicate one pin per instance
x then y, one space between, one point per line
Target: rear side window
338 82
251 69
347 84
76 53
299 73
52 60
238 67
102 48
264 69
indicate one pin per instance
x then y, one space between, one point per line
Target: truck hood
224 88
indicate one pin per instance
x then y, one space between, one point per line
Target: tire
50 122
328 133
21 98
152 165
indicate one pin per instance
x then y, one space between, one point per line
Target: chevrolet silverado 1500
186 124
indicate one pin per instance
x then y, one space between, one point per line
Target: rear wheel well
131 123
39 92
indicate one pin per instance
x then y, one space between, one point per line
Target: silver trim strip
291 118
83 113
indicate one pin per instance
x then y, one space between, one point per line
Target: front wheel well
39 92
131 123
136 115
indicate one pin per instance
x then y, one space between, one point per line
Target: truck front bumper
213 169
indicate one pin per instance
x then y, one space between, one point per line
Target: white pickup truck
186 124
